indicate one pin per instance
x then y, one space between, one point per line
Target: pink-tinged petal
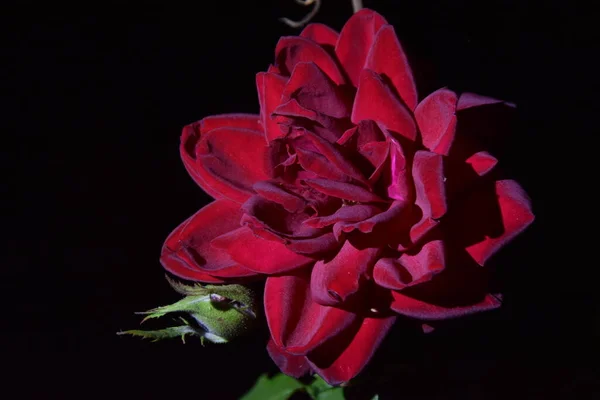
276 193
376 101
468 100
291 50
336 281
482 162
341 190
387 58
269 86
418 309
231 160
351 354
331 152
401 183
353 213
243 121
187 252
428 175
436 117
316 246
258 254
298 324
321 34
410 270
514 207
289 364
314 90
355 41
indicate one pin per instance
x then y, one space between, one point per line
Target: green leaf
376 397
279 387
331 394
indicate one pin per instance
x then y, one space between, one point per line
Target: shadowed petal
296 366
437 120
321 34
468 100
413 308
269 86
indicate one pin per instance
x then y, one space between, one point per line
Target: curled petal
410 270
242 121
418 309
270 87
355 41
187 252
321 34
387 58
400 185
289 364
428 175
437 120
354 213
336 281
258 254
346 191
298 324
344 356
276 193
291 50
482 162
315 246
375 101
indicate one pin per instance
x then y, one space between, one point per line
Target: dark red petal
314 246
321 34
289 364
386 220
269 86
515 211
187 252
353 213
276 193
437 120
413 308
336 281
401 183
291 50
482 162
468 100
314 90
376 101
297 323
355 354
341 190
244 121
388 59
192 133
428 175
355 41
258 254
231 160
410 270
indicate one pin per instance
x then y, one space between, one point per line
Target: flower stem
357 5
307 18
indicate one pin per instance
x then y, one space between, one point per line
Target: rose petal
297 323
258 254
355 352
387 58
428 175
187 252
353 213
401 182
192 133
375 101
437 120
516 215
336 281
321 34
341 190
482 162
316 246
355 41
315 91
410 270
291 50
418 309
289 364
276 193
228 160
269 86
468 100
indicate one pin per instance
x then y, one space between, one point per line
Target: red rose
353 199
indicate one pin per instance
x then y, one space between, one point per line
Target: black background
96 97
